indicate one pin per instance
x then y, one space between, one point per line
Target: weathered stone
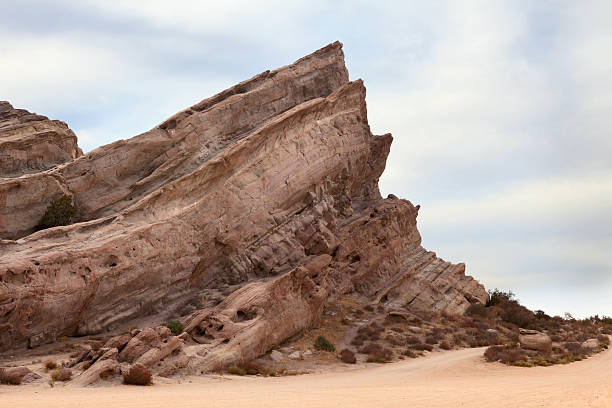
268 190
118 342
101 370
139 345
591 345
30 143
276 356
535 340
296 355
16 375
163 332
158 353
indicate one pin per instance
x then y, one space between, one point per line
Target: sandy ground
450 379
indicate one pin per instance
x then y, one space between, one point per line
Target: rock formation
243 215
30 143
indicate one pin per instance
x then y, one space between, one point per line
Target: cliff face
245 214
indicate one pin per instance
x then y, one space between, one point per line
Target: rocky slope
243 215
31 143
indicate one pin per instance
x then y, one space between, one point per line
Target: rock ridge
243 215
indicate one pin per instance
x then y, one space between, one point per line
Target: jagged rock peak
31 143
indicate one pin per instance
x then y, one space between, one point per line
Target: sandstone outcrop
244 215
535 340
30 143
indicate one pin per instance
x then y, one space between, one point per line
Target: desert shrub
393 340
370 332
421 346
556 338
409 353
357 341
348 357
137 374
368 308
412 340
235 370
572 346
603 340
477 309
321 343
514 313
492 353
431 340
539 314
9 378
445 345
458 338
505 354
376 353
497 296
175 327
61 374
218 368
59 212
50 365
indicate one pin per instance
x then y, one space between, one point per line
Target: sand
449 379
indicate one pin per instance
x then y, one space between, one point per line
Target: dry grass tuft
137 374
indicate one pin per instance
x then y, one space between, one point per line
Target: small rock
163 332
296 355
276 356
307 353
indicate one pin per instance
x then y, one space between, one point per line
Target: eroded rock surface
243 214
30 143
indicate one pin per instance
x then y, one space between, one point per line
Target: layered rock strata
30 143
245 214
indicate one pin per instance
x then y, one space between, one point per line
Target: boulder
156 354
101 370
276 356
118 342
592 345
16 375
139 345
535 340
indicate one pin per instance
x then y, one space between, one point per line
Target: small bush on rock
59 212
137 374
175 327
321 343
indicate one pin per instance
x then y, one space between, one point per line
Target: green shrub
59 212
175 327
321 343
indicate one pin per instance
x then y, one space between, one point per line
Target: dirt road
450 379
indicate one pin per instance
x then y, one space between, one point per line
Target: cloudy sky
501 110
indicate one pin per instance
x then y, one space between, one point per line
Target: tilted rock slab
268 190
